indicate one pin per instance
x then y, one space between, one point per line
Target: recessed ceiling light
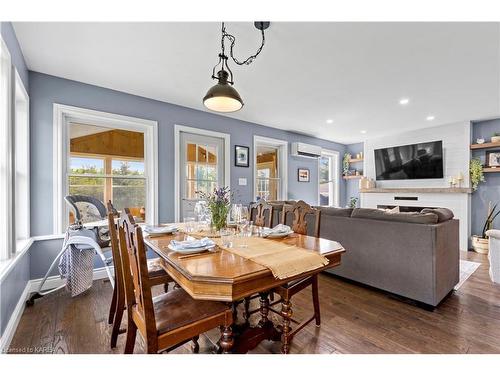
329 121
404 101
430 118
363 131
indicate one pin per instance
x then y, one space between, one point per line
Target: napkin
192 244
278 229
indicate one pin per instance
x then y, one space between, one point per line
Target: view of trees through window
121 181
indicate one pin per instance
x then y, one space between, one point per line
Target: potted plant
345 164
480 243
219 203
476 173
495 138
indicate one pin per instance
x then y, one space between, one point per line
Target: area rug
466 269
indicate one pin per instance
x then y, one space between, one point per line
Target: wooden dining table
224 276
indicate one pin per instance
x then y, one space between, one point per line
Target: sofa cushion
404 217
443 214
335 211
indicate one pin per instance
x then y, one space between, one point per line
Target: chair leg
117 320
196 346
131 333
246 305
286 313
165 287
226 341
315 297
112 308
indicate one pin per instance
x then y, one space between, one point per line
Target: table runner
282 259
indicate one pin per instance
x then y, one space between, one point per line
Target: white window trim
6 229
178 129
282 163
63 115
335 170
21 243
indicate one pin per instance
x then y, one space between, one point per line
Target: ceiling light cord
232 39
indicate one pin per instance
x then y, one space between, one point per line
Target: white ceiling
353 73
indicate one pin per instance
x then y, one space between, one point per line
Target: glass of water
189 224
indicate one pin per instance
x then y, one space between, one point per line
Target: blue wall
46 90
352 186
488 191
14 282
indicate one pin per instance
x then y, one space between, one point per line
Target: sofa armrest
495 233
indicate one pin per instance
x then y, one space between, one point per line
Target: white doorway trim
335 173
282 162
227 159
63 115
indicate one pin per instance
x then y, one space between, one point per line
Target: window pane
212 172
91 186
129 192
202 154
267 189
81 165
201 172
212 155
324 194
191 152
127 168
191 189
324 169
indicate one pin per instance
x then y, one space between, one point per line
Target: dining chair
157 275
258 212
170 319
300 211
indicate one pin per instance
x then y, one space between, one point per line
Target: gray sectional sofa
414 255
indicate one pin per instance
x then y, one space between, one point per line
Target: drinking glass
189 224
227 237
235 212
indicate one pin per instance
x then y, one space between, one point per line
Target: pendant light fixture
223 97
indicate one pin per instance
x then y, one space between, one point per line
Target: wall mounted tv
417 161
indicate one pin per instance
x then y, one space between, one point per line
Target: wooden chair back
260 208
135 275
299 224
115 246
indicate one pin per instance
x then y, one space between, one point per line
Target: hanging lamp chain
223 57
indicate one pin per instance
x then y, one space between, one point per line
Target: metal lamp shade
223 98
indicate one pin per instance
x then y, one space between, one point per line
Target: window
5 152
270 156
201 169
328 187
22 164
89 150
119 180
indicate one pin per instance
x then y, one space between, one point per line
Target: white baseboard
56 281
31 287
8 334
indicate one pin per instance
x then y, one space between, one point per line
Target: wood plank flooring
354 320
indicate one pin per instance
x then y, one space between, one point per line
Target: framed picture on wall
241 156
303 175
493 159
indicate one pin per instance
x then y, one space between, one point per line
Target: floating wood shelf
355 160
351 177
478 146
491 169
417 190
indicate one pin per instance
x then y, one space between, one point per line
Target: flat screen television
416 161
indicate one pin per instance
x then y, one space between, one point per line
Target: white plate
278 235
191 251
158 231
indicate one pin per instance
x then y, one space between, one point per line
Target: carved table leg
264 308
226 341
286 313
246 314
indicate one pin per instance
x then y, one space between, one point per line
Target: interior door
201 168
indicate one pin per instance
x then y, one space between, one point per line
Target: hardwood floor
354 320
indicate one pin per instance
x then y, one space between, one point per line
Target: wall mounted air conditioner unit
305 150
